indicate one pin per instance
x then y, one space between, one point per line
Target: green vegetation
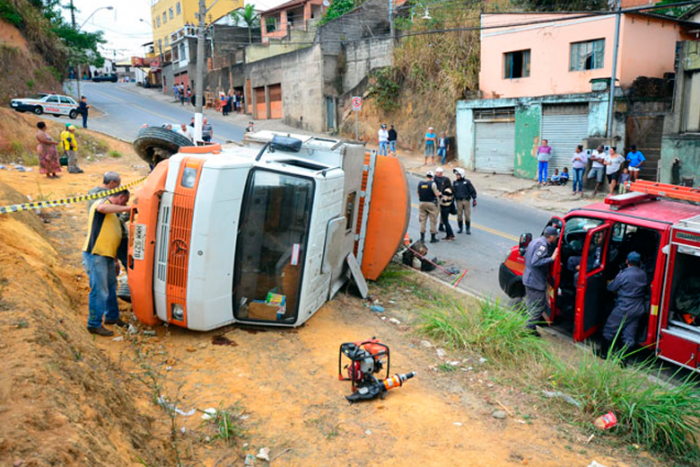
660 416
339 8
489 329
649 412
227 424
114 154
9 13
385 88
249 17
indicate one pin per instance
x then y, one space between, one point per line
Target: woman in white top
613 163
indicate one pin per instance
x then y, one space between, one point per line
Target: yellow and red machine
262 233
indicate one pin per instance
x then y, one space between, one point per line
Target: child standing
624 181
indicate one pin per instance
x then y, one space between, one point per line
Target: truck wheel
155 144
73 114
38 110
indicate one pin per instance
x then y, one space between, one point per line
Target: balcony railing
187 31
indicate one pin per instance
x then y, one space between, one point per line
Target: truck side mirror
524 242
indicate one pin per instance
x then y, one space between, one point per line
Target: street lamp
72 11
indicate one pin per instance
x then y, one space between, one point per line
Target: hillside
31 57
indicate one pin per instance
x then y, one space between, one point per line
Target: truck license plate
139 241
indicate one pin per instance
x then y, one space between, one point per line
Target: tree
339 8
249 17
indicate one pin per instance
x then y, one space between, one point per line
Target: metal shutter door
565 127
495 147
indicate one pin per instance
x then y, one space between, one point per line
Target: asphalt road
496 223
125 111
496 227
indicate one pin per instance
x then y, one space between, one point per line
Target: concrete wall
675 144
300 74
363 57
550 43
297 39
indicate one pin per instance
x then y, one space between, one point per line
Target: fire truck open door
590 286
555 272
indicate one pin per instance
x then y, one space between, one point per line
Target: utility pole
391 18
611 97
199 85
72 17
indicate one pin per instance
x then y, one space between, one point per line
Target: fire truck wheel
154 144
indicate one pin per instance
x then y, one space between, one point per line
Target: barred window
588 55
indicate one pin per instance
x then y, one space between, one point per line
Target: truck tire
155 144
38 110
73 114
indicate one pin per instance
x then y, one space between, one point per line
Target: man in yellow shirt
99 252
70 147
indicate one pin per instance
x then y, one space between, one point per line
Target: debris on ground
561 395
209 413
167 405
595 464
499 414
149 332
377 308
264 454
426 344
394 321
605 422
441 353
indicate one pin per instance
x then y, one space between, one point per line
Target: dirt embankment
23 70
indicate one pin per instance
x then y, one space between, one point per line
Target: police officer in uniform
442 183
428 195
464 193
630 306
538 257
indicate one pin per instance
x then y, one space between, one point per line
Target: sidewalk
519 190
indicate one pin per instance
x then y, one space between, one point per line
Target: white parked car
54 104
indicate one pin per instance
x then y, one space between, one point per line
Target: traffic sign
357 103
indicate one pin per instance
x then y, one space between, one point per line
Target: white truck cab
257 233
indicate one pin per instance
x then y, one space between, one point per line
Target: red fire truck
660 222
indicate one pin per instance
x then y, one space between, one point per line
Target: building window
270 25
587 55
171 12
160 46
177 8
158 21
165 18
167 41
517 64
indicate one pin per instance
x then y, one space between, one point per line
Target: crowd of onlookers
434 144
605 162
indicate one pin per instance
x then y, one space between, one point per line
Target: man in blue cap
538 257
630 306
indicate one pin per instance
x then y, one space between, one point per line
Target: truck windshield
271 246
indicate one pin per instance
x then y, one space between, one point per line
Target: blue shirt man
635 159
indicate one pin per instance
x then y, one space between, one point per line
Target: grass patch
446 368
227 423
496 332
114 154
652 413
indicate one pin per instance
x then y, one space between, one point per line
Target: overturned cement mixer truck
263 232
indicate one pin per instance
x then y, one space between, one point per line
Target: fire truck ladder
665 190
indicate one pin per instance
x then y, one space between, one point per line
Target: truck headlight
189 176
178 312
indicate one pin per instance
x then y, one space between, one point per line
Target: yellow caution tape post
65 201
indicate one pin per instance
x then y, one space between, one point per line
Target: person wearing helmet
538 257
70 148
464 194
631 288
428 195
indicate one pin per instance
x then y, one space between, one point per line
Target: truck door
590 286
555 272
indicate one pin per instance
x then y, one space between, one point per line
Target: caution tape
65 201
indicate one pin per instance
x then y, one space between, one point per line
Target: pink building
297 14
546 76
542 57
